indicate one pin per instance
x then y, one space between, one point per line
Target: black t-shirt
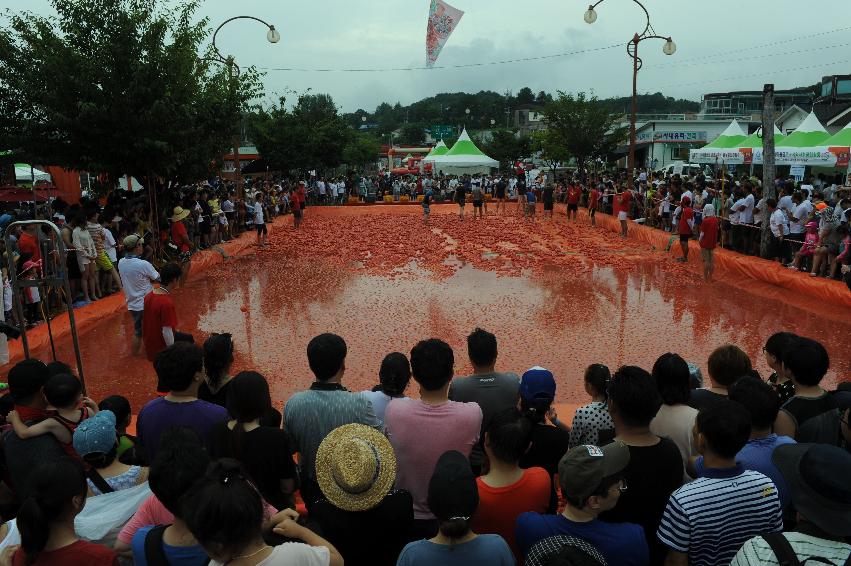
548 194
266 456
802 409
653 474
549 444
702 398
374 537
271 418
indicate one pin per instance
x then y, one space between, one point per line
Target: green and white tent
722 148
464 157
731 137
755 139
436 151
746 151
842 138
809 134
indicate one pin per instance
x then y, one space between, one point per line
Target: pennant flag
442 19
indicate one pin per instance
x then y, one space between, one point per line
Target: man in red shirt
708 240
573 194
623 199
593 204
298 200
159 318
685 226
28 242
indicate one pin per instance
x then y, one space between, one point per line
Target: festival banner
442 19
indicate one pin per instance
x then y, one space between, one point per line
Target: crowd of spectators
657 468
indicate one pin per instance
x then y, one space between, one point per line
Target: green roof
464 146
809 134
840 138
439 149
729 138
755 139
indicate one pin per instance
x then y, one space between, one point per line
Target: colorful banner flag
442 19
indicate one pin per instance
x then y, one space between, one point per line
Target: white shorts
622 215
83 260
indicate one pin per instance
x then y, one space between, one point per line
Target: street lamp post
272 36
632 50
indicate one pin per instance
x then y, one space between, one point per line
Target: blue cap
95 434
538 384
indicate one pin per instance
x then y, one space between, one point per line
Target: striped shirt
756 551
310 415
712 517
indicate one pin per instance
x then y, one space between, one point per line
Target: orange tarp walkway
88 316
816 288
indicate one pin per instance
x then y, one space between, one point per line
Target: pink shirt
420 434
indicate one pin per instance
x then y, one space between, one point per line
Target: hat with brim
817 477
179 214
355 467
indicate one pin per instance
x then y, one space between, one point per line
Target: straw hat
179 214
355 467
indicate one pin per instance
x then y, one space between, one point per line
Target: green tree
360 150
579 127
525 96
411 134
118 87
507 147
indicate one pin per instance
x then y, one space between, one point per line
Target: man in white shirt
798 218
808 188
136 278
779 224
320 187
260 220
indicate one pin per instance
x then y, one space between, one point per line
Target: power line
767 73
751 57
461 66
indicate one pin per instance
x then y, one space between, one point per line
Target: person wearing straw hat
454 497
361 514
817 476
181 239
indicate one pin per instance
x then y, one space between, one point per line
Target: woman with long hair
46 520
218 359
265 451
393 377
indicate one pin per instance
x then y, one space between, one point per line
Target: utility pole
768 189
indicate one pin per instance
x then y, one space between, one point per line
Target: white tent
23 173
464 157
436 151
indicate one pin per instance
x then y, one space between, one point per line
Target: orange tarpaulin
67 183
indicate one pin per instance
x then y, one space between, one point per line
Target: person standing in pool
461 196
427 204
548 198
500 194
478 198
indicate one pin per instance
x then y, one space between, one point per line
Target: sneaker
792 266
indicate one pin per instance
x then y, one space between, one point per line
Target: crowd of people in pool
658 468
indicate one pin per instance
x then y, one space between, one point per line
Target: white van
681 168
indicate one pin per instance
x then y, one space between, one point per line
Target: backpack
154 552
786 555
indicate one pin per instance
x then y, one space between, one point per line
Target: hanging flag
442 19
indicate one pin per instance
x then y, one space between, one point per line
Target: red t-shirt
626 197
499 507
685 215
573 194
179 236
709 227
594 198
159 312
27 243
80 553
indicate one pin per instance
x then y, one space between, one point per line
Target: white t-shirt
109 245
809 189
747 213
321 186
736 214
136 276
258 213
227 206
779 223
759 217
798 219
294 554
785 203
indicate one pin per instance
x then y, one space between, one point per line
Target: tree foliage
579 127
117 87
311 135
507 147
361 149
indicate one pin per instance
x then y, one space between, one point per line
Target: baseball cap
452 490
133 240
581 470
95 434
27 378
817 477
538 384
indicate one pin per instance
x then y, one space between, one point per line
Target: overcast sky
720 46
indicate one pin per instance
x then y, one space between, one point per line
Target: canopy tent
24 172
809 134
840 138
464 157
731 137
744 152
836 150
436 151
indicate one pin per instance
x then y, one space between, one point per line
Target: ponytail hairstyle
598 377
224 510
535 409
394 375
54 486
218 357
248 400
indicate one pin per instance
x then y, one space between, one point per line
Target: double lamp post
632 50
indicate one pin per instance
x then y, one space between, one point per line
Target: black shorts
666 215
205 227
685 237
572 207
137 322
477 204
261 229
548 205
592 212
73 266
296 211
500 194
